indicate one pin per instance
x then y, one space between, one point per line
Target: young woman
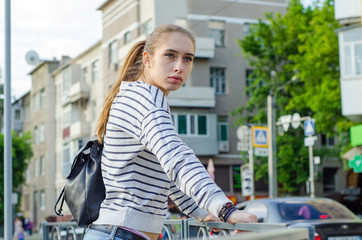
144 161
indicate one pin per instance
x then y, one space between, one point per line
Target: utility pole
8 183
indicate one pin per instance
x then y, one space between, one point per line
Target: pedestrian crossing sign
260 136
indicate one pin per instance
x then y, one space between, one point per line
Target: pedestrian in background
144 160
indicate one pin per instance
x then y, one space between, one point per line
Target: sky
52 28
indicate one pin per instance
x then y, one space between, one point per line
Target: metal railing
190 229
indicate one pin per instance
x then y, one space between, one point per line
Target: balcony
351 98
79 129
77 92
347 11
205 47
203 97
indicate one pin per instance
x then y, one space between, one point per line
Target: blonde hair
132 68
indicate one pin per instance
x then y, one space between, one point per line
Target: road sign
243 133
309 127
246 180
260 136
295 120
309 141
261 152
242 146
285 120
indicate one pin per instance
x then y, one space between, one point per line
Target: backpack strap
60 198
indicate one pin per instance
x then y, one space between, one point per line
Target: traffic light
247 180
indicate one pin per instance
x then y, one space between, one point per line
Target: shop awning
352 152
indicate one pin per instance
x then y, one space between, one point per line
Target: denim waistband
118 232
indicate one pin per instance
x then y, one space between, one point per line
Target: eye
170 55
189 59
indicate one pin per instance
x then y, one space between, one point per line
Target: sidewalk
34 236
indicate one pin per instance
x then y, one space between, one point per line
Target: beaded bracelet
226 210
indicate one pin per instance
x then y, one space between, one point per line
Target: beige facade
39 191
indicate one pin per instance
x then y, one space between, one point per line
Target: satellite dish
32 57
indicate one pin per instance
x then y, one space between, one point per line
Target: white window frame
113 56
42 200
36 168
35 103
35 135
42 166
188 124
66 159
42 132
66 80
218 80
95 71
352 58
42 98
219 125
217 32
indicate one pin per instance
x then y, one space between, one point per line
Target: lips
176 78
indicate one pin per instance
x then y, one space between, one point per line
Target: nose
178 67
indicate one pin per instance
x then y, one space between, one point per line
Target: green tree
295 58
21 154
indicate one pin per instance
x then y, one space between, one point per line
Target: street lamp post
272 171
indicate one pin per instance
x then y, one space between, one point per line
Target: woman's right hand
241 217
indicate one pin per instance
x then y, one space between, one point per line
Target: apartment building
38 194
74 90
349 15
78 98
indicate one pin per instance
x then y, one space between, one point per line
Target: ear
146 59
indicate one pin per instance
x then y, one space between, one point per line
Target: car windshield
314 209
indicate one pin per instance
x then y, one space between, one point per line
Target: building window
222 129
42 200
147 28
190 124
330 180
27 175
27 112
66 117
35 135
217 32
113 56
42 98
95 69
36 168
41 166
351 52
217 79
84 74
126 37
35 102
67 163
17 114
42 133
327 141
66 80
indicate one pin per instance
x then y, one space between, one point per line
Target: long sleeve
186 204
179 161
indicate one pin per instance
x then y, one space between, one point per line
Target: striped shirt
144 161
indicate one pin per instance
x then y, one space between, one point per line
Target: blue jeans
92 234
97 235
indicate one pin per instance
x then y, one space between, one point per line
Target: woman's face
171 64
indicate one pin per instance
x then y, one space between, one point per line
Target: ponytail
131 71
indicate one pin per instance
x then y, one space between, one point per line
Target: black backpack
84 189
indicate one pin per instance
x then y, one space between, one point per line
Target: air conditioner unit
115 66
224 147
